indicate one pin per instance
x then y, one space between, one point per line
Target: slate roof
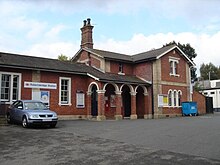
9 60
152 54
145 56
110 55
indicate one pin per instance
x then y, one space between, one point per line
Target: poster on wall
80 99
43 96
162 100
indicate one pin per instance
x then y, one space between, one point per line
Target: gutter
47 70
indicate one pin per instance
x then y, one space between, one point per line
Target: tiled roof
45 64
149 55
152 54
110 55
38 63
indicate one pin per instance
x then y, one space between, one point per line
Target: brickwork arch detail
90 86
116 86
130 87
143 87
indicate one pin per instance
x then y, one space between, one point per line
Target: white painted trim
130 87
190 61
90 85
11 85
69 90
115 85
95 78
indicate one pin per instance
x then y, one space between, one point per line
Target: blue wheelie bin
189 108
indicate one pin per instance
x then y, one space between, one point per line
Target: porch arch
130 87
116 86
91 85
93 99
143 87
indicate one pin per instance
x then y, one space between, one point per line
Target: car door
12 110
18 111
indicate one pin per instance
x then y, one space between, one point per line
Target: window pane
15 87
170 98
64 91
179 98
5 87
171 67
174 98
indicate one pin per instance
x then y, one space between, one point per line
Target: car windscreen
35 106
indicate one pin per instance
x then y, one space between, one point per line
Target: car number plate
47 119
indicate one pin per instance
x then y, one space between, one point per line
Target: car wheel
25 122
9 119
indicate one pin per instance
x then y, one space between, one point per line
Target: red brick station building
100 84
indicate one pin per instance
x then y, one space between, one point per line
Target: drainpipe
152 91
190 83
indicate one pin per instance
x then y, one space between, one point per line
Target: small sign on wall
40 85
162 100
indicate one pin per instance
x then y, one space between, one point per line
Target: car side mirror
20 107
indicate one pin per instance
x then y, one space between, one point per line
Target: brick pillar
147 106
133 105
101 105
118 114
88 105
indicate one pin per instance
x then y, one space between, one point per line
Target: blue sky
47 28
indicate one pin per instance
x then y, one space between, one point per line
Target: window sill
175 75
174 106
62 104
120 73
80 107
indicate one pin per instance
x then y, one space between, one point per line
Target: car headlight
54 115
34 116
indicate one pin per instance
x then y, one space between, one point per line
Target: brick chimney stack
86 35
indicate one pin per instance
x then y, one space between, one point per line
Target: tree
190 53
209 71
62 57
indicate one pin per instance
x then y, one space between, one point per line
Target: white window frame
174 64
174 98
179 92
69 90
12 74
120 68
170 96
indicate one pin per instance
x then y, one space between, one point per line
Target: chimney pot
88 21
84 23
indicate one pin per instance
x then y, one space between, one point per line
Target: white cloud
54 31
52 50
205 45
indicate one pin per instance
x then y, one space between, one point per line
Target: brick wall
76 84
181 68
95 62
127 68
201 102
144 70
